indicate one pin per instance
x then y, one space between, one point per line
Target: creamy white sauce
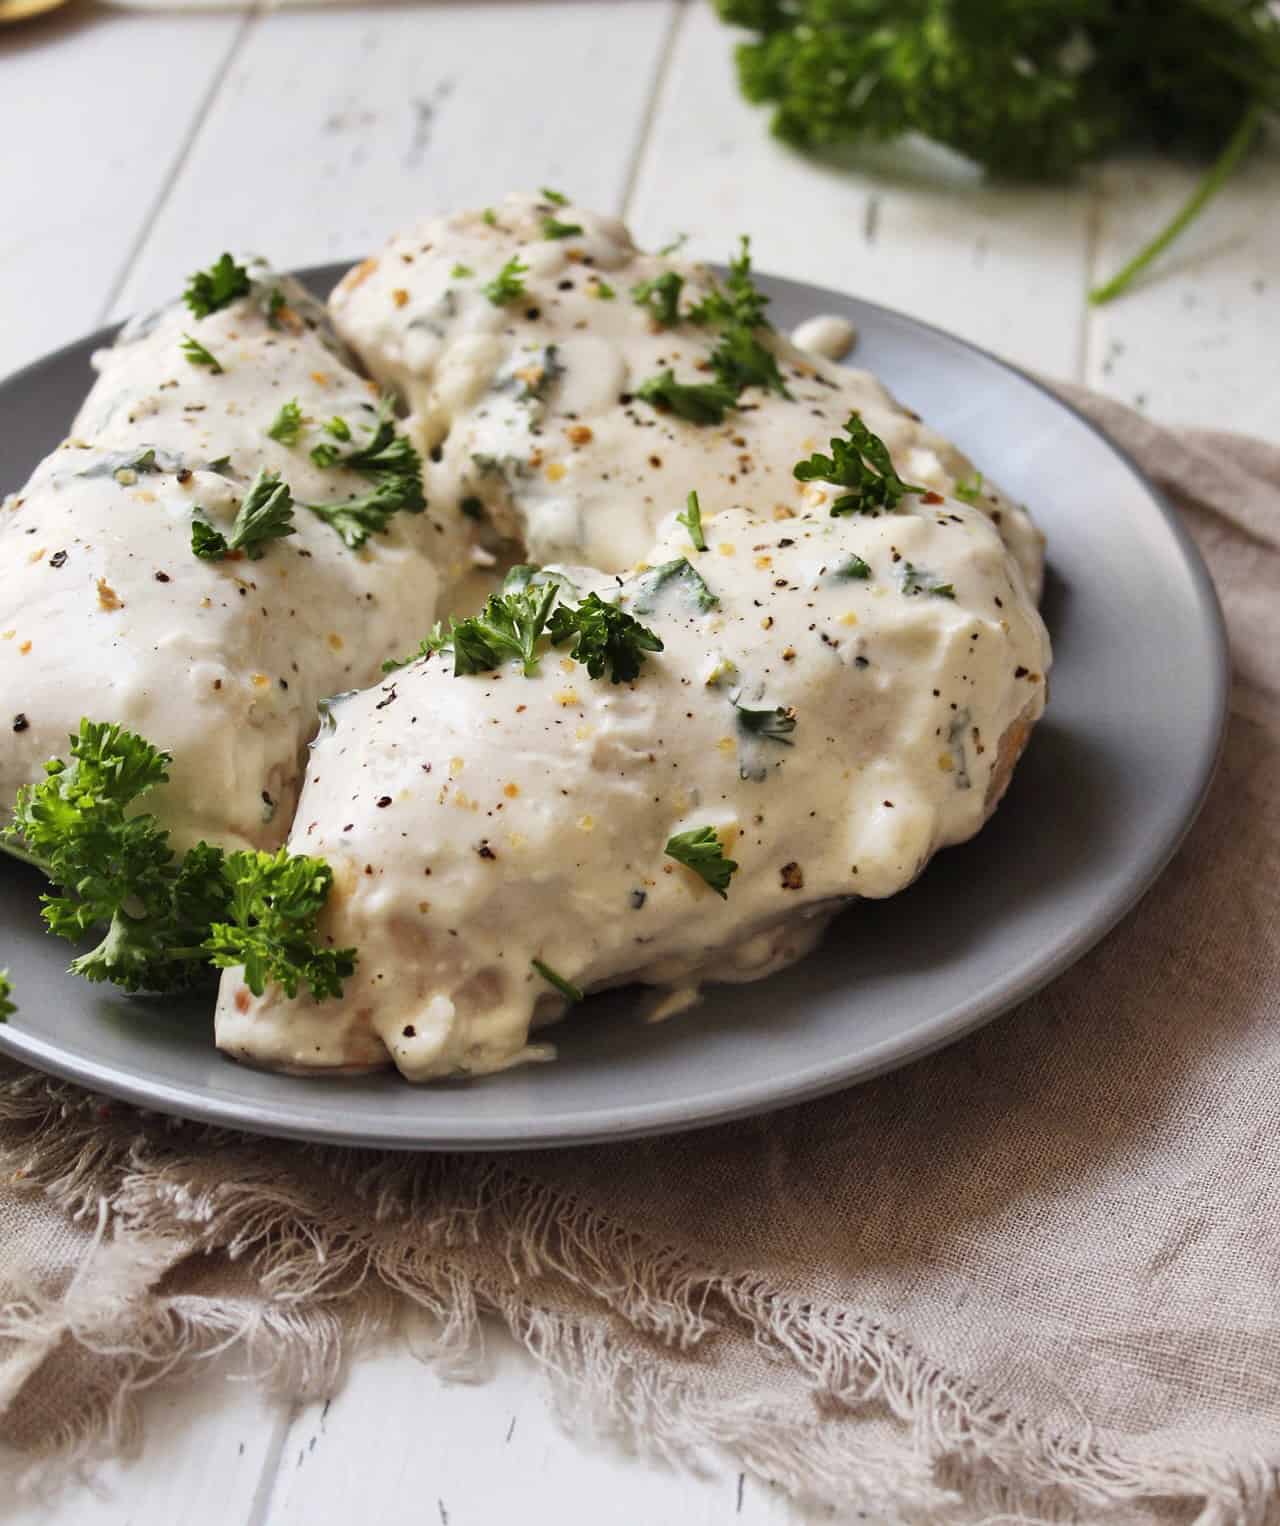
582 471
825 334
477 823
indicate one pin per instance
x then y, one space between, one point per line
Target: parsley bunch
1027 91
166 918
512 623
861 462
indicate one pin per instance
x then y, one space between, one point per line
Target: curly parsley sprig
208 291
861 462
265 514
7 1007
167 919
600 636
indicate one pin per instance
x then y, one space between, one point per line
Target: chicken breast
106 612
525 377
837 699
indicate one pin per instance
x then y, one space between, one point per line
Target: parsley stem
27 858
1209 186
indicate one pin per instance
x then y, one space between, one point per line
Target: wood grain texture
87 157
211 1448
334 128
401 1443
1195 340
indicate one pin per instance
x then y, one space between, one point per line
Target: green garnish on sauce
265 514
198 355
691 519
167 919
508 284
210 290
861 463
565 987
701 850
287 424
552 227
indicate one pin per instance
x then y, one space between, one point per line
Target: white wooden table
138 144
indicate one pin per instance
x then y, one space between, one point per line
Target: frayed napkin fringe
425 1236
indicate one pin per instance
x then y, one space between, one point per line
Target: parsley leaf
699 402
674 247
661 297
691 519
600 289
862 463
603 636
355 519
969 492
701 850
210 290
265 514
737 304
777 725
651 586
7 1008
740 360
566 988
915 580
287 424
552 227
198 355
556 198
490 217
166 918
461 272
508 284
438 639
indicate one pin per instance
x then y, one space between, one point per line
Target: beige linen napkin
1037 1273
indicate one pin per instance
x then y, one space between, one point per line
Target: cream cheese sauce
105 612
477 823
529 409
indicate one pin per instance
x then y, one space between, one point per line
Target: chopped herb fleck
287 424
691 519
652 585
660 297
698 402
198 355
915 580
461 272
566 988
552 227
508 284
701 850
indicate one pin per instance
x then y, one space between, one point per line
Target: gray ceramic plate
1111 781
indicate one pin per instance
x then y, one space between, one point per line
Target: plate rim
627 1121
